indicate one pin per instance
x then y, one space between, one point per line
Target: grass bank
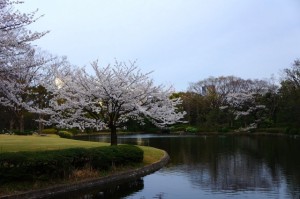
13 143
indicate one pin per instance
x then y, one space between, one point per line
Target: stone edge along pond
100 182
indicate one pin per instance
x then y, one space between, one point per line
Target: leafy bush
223 130
65 134
165 130
178 128
191 129
292 131
206 129
272 130
115 156
49 131
30 166
74 131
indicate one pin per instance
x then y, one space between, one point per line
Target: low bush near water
272 130
65 134
45 165
223 130
292 131
191 129
49 131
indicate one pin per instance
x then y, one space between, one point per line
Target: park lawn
151 154
15 143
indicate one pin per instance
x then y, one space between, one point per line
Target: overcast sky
182 41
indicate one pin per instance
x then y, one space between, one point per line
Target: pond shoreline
99 182
182 133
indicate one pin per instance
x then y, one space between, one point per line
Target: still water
212 167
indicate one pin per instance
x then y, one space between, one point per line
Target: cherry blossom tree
20 61
15 39
16 92
237 98
109 97
243 105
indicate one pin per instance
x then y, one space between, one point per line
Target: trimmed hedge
49 131
191 129
65 134
44 165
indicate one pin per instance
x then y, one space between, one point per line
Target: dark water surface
212 167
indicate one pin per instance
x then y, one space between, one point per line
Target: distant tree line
222 104
229 103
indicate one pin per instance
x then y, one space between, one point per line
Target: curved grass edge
119 177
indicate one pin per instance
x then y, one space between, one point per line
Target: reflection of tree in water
157 196
233 172
122 190
231 164
237 163
111 192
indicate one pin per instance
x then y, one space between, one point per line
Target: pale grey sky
182 41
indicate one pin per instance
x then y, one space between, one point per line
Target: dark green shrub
74 131
292 131
11 167
105 157
178 128
206 129
191 129
127 154
274 130
49 131
44 165
65 134
223 130
100 158
165 130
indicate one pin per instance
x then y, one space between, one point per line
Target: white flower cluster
109 97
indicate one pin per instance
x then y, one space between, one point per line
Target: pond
212 167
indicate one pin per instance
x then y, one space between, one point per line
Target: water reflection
222 166
232 173
111 191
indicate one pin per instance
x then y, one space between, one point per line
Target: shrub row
73 131
45 165
65 134
292 131
191 129
277 130
49 131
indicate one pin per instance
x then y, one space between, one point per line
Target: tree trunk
11 124
21 122
113 135
41 125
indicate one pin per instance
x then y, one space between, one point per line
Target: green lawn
151 154
14 143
